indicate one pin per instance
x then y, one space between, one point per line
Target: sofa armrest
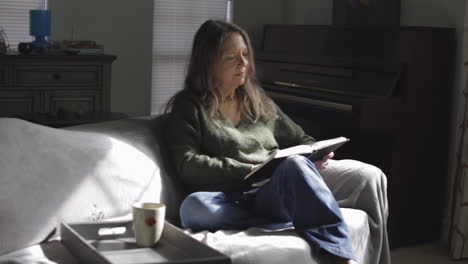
81 173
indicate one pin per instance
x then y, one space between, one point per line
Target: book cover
315 151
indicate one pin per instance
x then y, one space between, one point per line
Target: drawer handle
56 76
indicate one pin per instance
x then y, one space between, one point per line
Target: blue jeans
296 195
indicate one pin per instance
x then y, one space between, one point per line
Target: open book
315 151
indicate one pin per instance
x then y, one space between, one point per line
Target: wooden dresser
56 90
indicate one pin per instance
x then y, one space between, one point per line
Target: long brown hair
200 79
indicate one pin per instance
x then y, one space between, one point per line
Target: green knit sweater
216 157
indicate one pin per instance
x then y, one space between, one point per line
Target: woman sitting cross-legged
222 125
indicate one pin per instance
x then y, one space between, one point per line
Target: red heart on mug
151 221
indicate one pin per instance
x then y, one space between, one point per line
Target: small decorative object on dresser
40 27
3 41
56 90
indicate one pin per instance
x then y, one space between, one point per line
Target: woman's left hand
322 164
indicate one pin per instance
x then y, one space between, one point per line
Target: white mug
148 222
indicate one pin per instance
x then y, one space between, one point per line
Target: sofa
94 172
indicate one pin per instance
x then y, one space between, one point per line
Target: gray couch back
83 173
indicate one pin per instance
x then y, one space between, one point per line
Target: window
174 25
14 19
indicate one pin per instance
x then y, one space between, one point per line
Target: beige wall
252 15
125 29
434 13
318 12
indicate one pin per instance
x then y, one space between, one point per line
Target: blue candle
39 26
39 22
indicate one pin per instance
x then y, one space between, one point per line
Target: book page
324 147
315 152
328 142
299 150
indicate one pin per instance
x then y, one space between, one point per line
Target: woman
222 125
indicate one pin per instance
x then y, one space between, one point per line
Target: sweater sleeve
194 167
288 133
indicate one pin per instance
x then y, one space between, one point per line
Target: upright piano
389 90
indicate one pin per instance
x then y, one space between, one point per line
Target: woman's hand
322 164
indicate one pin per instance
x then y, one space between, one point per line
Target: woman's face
233 64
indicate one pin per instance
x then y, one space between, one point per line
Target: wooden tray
114 243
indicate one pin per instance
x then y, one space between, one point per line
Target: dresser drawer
73 105
3 76
17 104
62 76
55 89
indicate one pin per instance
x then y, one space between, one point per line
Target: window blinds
174 25
14 19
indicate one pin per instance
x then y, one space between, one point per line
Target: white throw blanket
261 246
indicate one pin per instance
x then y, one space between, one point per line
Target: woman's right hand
322 164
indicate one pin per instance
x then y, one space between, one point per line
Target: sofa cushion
258 246
84 173
253 245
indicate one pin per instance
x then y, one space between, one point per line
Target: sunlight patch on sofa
53 175
123 175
